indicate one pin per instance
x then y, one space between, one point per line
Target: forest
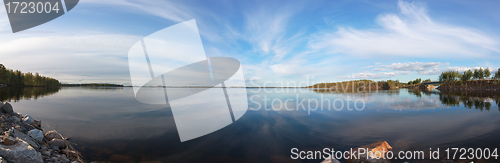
468 75
16 78
370 84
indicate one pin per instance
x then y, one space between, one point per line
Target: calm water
109 124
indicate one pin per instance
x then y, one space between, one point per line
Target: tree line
92 85
17 78
368 84
468 75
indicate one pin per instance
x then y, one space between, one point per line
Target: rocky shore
472 86
22 140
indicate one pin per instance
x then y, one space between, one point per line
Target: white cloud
164 9
73 58
410 33
266 27
363 75
412 66
378 75
285 69
436 71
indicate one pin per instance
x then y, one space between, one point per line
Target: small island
476 81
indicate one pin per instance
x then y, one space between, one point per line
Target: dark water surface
109 124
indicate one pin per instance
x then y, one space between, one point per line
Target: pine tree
487 73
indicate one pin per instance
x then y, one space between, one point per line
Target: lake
109 124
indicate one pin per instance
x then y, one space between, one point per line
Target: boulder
58 142
24 137
20 152
7 118
429 87
52 135
38 123
54 148
3 160
36 134
7 140
16 119
28 120
374 153
7 108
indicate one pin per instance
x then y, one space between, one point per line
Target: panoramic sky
275 41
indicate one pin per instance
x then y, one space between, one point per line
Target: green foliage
476 74
416 81
487 73
388 84
346 84
359 85
497 74
449 76
481 73
17 78
466 75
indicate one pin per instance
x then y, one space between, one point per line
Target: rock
330 160
1 105
38 123
54 148
16 119
8 140
7 118
7 108
52 135
46 153
375 150
63 157
20 152
55 159
36 134
24 137
28 120
430 87
58 142
2 160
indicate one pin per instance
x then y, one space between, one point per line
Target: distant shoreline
92 85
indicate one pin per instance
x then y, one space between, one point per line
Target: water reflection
26 93
419 92
479 101
110 125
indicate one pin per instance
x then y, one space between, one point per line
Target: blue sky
274 40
